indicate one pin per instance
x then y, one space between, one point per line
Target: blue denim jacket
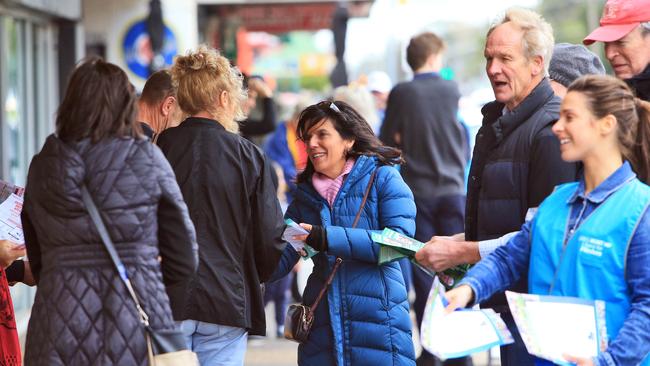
506 264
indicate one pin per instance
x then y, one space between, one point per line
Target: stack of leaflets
394 245
299 246
462 332
554 326
11 227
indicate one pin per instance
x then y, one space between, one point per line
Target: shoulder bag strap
339 259
112 252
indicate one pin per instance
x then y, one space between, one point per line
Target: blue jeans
215 344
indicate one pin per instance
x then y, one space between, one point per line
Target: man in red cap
625 29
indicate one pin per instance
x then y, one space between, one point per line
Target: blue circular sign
138 53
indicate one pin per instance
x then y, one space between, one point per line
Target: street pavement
271 351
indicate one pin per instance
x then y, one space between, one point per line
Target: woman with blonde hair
226 182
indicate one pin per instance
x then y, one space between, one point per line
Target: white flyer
552 326
462 332
294 229
11 227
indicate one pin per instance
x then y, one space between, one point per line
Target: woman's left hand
317 237
579 361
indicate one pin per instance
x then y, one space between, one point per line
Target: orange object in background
244 52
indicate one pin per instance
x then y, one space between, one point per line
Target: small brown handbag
300 318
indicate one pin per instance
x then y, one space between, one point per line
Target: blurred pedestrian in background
379 85
422 120
83 313
226 182
259 109
364 317
158 107
357 96
608 130
285 148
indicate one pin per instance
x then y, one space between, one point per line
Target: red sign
282 18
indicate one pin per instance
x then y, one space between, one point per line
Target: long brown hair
608 95
99 102
351 126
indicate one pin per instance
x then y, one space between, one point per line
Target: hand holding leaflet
11 227
395 246
293 229
554 326
462 332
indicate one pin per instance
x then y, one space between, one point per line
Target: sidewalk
270 351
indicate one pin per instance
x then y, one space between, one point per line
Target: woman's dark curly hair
351 126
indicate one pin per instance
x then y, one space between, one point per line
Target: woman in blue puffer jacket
364 317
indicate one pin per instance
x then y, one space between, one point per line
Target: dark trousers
514 354
440 216
279 292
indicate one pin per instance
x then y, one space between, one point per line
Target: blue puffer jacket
364 319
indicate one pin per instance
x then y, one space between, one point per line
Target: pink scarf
328 188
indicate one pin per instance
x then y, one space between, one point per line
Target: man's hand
458 298
9 252
443 252
579 361
260 87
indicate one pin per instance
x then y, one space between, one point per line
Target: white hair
538 34
360 99
645 28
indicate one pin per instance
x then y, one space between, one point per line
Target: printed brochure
294 229
462 332
552 326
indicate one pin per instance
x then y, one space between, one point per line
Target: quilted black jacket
82 314
226 182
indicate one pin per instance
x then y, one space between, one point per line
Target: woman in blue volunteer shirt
589 239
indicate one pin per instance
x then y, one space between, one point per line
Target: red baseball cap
619 18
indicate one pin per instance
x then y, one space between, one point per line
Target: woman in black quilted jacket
82 313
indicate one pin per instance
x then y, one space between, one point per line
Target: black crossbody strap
339 259
112 252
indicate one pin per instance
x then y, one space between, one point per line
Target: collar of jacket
609 186
641 84
363 166
200 121
503 125
426 75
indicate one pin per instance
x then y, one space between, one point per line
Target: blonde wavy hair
538 37
200 77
